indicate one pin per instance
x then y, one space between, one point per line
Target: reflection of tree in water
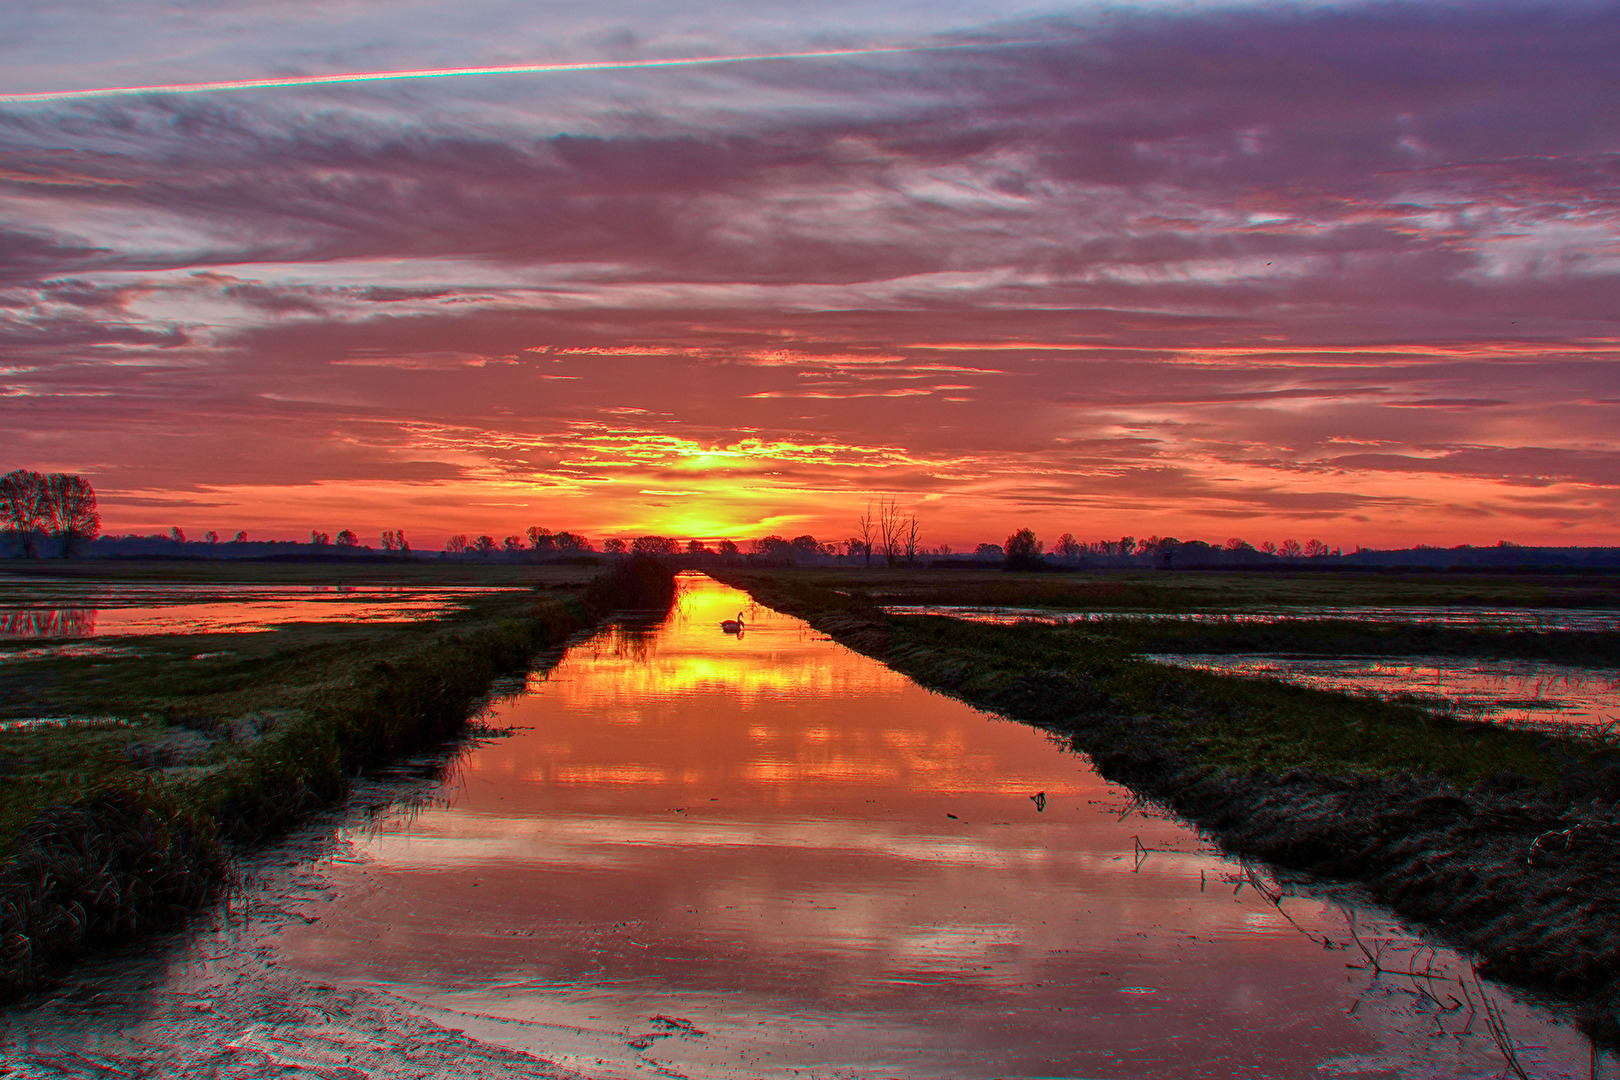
48 622
632 638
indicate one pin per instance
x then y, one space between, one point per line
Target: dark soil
1524 876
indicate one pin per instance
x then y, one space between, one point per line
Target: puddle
95 609
732 858
1537 619
1523 693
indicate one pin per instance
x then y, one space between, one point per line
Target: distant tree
1023 551
1268 547
571 542
653 545
347 538
1127 544
945 550
1068 547
241 537
1290 549
615 546
806 548
540 539
456 544
989 551
1237 543
484 544
774 547
177 534
867 524
1315 548
891 530
22 505
855 547
400 543
69 510
910 538
728 548
211 536
695 547
512 544
388 540
318 538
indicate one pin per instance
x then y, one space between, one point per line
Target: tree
22 505
728 548
177 535
1023 551
989 551
1237 543
484 544
1315 548
540 539
868 526
653 545
317 538
774 547
211 536
512 544
1068 547
571 542
1290 549
388 540
615 546
241 537
695 547
347 538
69 510
1268 547
911 534
891 530
456 544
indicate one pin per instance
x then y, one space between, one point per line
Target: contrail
449 73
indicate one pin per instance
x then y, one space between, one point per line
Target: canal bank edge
1524 877
135 860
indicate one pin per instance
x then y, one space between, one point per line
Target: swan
732 626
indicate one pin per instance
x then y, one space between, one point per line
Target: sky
1343 271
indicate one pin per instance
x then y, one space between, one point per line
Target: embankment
1522 874
134 859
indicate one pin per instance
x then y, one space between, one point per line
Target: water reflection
721 856
1541 620
1524 693
114 610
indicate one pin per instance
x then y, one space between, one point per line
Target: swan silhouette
732 626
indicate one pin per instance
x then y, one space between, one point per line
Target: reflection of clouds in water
1521 692
48 622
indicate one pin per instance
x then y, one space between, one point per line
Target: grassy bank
1500 840
219 739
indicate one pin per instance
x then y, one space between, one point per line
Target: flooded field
81 609
1524 693
719 855
1477 618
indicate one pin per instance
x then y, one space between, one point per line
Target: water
1471 618
75 609
710 856
1521 693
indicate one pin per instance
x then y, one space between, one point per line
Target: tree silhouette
241 537
347 538
456 544
68 510
614 546
1023 551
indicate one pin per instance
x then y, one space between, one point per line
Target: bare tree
1315 548
1290 549
484 544
913 532
456 544
1268 547
512 544
540 539
1068 547
868 526
22 499
891 530
388 539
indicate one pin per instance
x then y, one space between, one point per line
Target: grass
1228 722
1209 590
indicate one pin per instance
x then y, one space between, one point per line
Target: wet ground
728 856
1475 618
1524 693
79 609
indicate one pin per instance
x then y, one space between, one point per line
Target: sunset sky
1347 271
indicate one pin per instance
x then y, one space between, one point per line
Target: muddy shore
1523 875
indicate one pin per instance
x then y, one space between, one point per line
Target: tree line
59 505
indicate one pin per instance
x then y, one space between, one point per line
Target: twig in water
1141 853
1372 958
